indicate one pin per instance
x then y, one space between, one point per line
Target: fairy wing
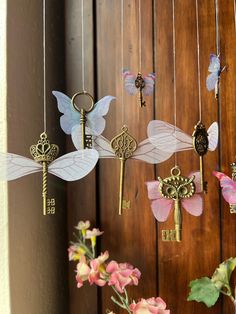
213 134
214 66
193 205
149 153
149 84
70 116
228 187
160 206
211 81
129 81
167 137
14 166
96 122
75 165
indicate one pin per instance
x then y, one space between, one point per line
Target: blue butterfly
212 80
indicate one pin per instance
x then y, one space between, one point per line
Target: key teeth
232 208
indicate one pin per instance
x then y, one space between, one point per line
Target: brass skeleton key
140 84
86 138
200 145
123 145
176 187
44 153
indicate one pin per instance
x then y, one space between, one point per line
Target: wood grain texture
81 194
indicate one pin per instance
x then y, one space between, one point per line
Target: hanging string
140 35
82 42
44 68
198 65
122 58
217 28
235 15
174 66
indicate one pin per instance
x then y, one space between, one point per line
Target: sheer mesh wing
213 134
228 187
166 137
214 64
70 117
129 81
149 84
96 122
14 166
211 81
147 152
193 205
102 145
75 165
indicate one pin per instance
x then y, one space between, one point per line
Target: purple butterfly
212 81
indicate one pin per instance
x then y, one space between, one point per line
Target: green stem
125 301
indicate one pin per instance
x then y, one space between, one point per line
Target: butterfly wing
149 84
75 165
96 122
70 116
14 166
167 137
213 134
211 81
193 205
147 152
228 187
214 66
160 207
129 81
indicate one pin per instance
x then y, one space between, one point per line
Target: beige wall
37 244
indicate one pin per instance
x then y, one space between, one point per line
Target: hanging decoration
228 186
69 167
177 190
143 85
213 79
123 147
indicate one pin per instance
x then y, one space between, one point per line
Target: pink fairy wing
153 190
149 84
129 81
193 205
161 209
228 187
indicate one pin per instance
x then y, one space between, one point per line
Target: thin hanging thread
82 42
198 65
235 15
122 57
44 69
174 66
140 35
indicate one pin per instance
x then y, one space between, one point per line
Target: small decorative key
44 153
140 84
123 145
86 138
176 187
200 145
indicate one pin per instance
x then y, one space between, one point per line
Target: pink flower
83 271
75 252
92 235
98 273
149 306
122 274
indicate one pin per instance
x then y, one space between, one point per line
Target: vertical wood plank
199 252
228 129
130 237
81 194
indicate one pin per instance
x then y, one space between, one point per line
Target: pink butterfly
161 206
228 187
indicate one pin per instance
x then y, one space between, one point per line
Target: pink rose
98 272
122 274
149 306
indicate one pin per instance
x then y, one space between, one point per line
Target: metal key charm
123 145
86 138
140 84
44 153
200 145
233 206
176 187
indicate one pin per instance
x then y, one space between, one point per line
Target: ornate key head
43 151
176 186
139 81
124 145
200 139
233 167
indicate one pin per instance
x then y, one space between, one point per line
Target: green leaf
204 290
222 274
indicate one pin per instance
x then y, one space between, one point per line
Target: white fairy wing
103 146
149 84
149 153
75 165
70 117
211 81
96 122
129 81
14 166
166 137
213 134
214 66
